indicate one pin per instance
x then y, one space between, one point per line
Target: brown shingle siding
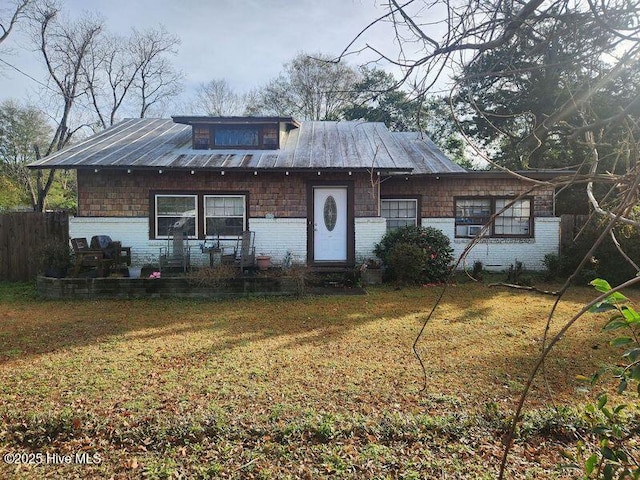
116 193
437 194
120 194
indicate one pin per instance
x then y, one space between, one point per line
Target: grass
316 387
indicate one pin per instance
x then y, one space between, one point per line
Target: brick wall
118 194
437 194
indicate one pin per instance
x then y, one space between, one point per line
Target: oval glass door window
330 213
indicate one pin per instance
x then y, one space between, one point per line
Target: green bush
477 272
436 250
406 261
553 266
607 261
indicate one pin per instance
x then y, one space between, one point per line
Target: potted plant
371 272
263 262
54 258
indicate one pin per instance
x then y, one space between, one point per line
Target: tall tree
606 51
509 92
21 128
64 46
156 79
130 74
376 99
95 77
309 88
216 98
11 15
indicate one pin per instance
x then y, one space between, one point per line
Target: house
324 191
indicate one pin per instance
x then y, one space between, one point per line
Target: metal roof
342 145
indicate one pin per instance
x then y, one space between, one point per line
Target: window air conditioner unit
473 230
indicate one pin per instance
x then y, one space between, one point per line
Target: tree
64 47
21 129
10 16
376 99
507 92
217 99
309 88
585 49
130 73
156 80
94 77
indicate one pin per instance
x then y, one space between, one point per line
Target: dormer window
241 133
209 137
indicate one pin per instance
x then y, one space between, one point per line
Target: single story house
320 192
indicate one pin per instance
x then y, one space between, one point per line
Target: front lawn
316 387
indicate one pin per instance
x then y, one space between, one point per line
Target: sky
246 42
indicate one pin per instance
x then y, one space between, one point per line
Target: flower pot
263 262
134 272
372 276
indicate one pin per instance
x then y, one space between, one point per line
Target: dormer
233 133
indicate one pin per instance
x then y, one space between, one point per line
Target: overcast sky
244 41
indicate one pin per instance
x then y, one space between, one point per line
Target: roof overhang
168 169
206 120
497 174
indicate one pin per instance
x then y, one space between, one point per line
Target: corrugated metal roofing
344 145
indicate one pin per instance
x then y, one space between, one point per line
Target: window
198 214
236 136
400 212
473 213
515 220
470 213
224 215
259 137
176 211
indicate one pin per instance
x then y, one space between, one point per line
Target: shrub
407 260
477 272
434 244
54 258
553 266
607 262
212 276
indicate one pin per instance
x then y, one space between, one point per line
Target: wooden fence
22 234
570 225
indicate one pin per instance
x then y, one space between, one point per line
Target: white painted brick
368 232
273 237
499 253
276 236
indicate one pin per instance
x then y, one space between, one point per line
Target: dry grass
270 388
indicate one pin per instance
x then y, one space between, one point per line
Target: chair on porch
177 253
86 257
244 254
114 250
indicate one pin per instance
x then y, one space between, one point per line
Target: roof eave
193 119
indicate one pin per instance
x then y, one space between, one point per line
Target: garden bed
165 287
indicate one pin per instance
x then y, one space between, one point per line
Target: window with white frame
473 213
175 212
225 215
399 212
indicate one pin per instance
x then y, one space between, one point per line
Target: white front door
330 224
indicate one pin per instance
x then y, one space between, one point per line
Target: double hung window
514 217
399 212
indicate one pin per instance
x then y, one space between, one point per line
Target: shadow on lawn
30 328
